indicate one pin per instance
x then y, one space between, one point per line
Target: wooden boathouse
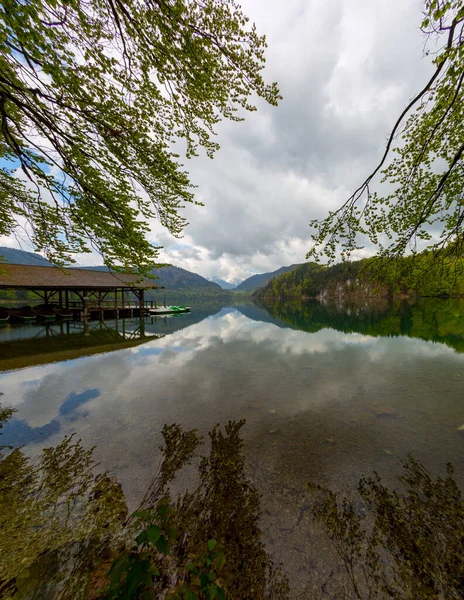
87 293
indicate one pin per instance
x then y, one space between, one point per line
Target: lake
329 392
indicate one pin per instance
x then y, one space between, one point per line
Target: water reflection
23 345
29 344
430 319
327 397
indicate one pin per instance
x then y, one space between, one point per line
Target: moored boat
23 314
4 315
63 313
169 310
44 313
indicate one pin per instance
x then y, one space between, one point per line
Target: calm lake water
328 393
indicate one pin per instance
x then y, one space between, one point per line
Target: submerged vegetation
403 543
65 527
71 531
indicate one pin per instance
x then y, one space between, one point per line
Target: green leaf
117 569
153 533
162 545
220 561
142 537
144 515
220 594
212 545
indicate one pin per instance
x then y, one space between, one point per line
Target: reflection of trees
429 319
62 526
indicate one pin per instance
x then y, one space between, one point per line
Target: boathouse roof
55 278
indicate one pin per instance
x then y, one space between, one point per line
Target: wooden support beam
38 293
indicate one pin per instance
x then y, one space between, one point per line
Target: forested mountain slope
366 278
256 281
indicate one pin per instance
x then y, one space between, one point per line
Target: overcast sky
345 68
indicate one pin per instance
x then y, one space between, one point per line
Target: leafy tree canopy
426 177
93 96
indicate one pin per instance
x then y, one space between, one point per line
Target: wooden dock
88 294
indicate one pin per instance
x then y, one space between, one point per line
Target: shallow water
328 392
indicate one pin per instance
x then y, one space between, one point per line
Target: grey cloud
345 71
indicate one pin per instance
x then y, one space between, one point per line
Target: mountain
236 281
410 276
225 285
21 257
257 281
175 278
313 280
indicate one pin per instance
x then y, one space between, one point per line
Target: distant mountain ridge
170 278
173 278
225 285
21 257
257 281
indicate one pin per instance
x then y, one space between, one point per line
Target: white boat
169 310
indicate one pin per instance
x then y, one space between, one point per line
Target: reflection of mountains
429 319
435 320
258 313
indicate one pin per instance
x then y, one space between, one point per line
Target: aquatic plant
211 542
57 518
401 543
